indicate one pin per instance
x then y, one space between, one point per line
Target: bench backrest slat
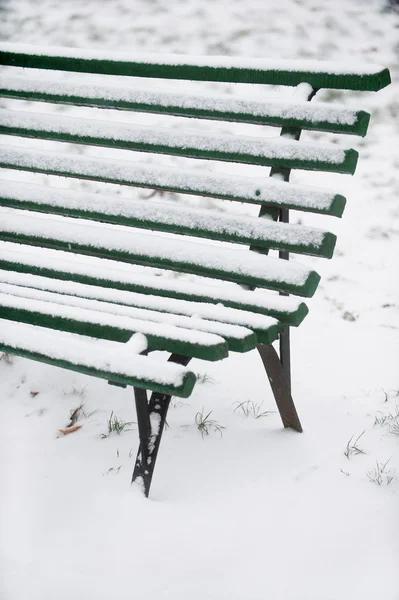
220 69
320 117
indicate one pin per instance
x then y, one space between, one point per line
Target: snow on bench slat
188 342
215 106
167 217
116 242
58 265
262 151
200 310
244 189
113 360
232 333
349 75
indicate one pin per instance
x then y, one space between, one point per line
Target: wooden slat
216 261
62 348
208 68
171 218
247 150
258 191
319 117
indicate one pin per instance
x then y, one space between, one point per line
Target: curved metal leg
151 417
280 386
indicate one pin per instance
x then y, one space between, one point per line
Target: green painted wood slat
13 55
172 104
184 390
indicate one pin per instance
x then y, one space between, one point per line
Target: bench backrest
275 196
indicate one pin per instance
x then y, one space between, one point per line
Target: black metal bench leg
280 384
151 417
285 355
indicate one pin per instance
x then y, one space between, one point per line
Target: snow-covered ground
252 511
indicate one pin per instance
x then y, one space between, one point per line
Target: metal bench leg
285 355
280 383
151 417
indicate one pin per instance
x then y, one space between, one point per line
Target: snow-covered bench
71 293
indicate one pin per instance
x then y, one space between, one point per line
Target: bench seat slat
277 151
352 76
239 338
109 360
68 269
188 256
258 323
93 323
169 217
260 191
319 117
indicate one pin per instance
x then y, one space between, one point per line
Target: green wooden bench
80 284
